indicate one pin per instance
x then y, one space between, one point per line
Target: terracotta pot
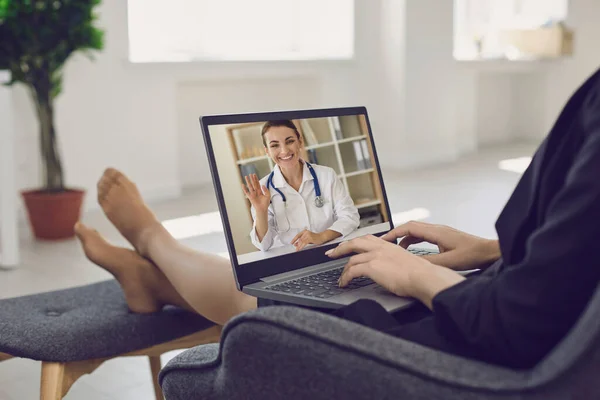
53 215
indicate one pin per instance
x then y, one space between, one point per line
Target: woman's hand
458 250
394 268
259 196
307 237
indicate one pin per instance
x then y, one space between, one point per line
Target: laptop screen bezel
252 272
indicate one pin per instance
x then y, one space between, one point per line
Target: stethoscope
319 202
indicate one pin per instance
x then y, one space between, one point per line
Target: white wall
144 118
494 108
567 76
9 247
277 86
529 96
422 103
209 97
434 90
403 51
541 96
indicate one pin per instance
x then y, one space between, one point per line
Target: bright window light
518 165
479 24
240 30
416 214
194 225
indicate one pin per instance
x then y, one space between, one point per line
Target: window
240 30
479 23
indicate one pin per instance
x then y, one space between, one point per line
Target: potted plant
37 37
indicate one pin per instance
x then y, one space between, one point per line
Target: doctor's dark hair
280 122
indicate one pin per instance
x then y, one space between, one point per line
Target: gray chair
293 353
73 331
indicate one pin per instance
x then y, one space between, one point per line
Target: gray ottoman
73 331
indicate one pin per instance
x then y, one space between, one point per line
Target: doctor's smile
297 203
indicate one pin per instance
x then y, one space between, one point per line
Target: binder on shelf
370 219
312 156
366 155
337 128
360 159
248 169
309 134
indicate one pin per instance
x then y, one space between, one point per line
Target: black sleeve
518 316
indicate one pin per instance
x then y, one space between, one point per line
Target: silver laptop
335 149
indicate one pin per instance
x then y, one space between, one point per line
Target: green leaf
37 37
43 34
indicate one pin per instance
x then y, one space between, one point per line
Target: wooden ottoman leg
57 378
155 367
53 379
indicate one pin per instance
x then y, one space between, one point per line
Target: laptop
338 141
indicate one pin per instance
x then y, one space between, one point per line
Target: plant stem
53 171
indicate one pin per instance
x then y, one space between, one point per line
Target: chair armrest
290 352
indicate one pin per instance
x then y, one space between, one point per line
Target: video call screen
291 185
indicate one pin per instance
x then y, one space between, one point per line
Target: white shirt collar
279 181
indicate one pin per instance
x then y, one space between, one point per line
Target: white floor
468 195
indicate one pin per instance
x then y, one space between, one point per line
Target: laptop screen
293 184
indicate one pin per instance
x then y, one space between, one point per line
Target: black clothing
516 311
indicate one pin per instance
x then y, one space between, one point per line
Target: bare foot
123 205
145 287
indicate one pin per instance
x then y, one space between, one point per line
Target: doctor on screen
297 203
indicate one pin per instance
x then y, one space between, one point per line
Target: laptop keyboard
325 284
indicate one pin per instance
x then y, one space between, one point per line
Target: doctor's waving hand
297 203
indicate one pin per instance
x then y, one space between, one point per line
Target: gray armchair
293 353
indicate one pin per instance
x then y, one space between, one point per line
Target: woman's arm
307 237
458 250
260 198
429 281
346 217
328 235
262 237
394 268
261 224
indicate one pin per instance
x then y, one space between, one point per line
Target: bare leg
204 280
145 287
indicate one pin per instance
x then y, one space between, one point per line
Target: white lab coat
338 213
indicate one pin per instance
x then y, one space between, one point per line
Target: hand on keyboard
321 285
326 284
394 268
458 250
